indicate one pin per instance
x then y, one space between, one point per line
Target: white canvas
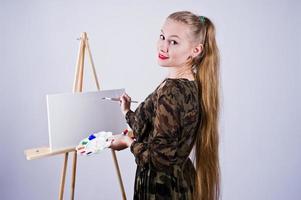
74 116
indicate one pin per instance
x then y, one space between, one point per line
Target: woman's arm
161 149
138 120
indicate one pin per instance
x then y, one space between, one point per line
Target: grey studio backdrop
260 125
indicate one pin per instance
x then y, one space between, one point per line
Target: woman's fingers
111 141
112 138
125 97
128 98
125 103
119 142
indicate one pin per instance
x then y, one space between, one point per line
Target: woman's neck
180 72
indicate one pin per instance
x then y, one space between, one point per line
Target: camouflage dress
164 126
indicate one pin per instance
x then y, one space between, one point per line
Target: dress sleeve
161 149
139 120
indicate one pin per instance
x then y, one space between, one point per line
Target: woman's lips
163 57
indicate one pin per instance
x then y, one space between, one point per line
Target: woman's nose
163 47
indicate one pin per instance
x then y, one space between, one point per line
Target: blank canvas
74 116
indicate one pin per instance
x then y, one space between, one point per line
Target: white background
260 125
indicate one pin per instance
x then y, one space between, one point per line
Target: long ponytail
206 66
207 140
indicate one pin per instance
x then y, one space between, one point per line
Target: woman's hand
125 103
120 142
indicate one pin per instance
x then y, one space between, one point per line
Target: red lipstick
162 57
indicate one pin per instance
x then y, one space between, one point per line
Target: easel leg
63 177
73 174
118 175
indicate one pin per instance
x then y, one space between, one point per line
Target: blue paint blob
91 137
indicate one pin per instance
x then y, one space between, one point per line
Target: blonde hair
206 66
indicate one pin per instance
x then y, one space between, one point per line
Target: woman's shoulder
174 86
175 83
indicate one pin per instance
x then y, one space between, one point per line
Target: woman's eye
162 37
173 42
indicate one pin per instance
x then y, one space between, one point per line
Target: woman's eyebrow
171 35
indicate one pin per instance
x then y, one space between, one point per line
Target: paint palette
95 143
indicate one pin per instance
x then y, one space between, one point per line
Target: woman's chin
162 64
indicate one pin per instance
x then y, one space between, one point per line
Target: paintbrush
115 99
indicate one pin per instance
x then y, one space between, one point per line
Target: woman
180 114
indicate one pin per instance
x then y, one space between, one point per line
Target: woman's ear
197 50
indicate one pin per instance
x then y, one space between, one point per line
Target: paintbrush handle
117 99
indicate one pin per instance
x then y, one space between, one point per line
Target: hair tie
202 19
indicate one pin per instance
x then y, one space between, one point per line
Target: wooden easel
46 151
